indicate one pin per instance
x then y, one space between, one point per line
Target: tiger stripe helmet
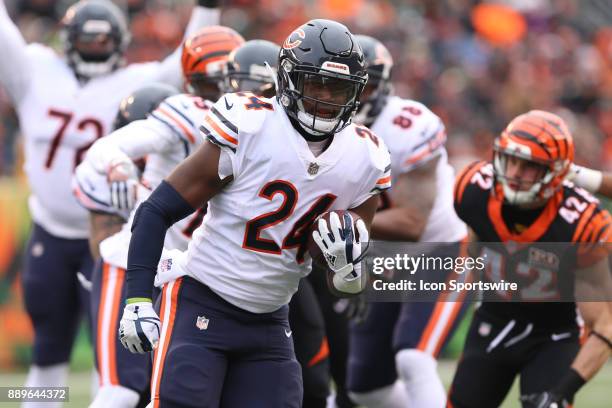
540 137
203 59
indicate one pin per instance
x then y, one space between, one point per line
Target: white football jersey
415 135
60 117
166 137
250 249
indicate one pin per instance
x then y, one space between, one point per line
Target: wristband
588 179
138 300
569 384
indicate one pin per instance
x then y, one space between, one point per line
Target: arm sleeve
133 141
164 207
170 68
14 67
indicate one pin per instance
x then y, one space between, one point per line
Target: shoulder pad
182 113
421 134
233 115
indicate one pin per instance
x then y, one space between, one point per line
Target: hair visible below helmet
321 74
379 64
141 102
95 36
541 138
204 57
252 67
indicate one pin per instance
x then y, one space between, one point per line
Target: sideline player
522 198
407 336
166 137
272 166
64 103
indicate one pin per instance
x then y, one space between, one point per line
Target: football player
64 103
269 168
166 137
109 209
419 208
251 68
521 198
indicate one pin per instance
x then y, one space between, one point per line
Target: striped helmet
204 56
544 141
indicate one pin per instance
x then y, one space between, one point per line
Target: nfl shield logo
484 329
313 168
202 323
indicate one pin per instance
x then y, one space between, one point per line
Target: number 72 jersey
250 248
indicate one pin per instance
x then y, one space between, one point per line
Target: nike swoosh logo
288 333
560 336
227 105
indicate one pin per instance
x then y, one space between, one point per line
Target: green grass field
596 394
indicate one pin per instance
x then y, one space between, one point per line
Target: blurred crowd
477 64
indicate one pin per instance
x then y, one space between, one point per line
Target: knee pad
115 396
391 396
412 364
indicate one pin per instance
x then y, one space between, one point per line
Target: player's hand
343 250
355 308
543 400
123 181
139 328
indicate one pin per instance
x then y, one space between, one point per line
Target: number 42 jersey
251 249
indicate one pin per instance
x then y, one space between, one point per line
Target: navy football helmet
141 102
95 35
321 74
246 69
379 64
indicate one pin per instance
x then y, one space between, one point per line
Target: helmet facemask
259 81
322 101
526 181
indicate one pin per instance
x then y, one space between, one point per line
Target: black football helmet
95 36
141 102
246 69
379 63
321 74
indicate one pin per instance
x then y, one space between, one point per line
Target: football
313 249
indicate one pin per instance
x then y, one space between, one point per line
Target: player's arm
102 226
205 13
593 282
14 67
594 181
413 196
191 184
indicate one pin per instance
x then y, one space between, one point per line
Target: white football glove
342 250
123 182
139 328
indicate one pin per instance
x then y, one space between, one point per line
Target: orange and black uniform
523 332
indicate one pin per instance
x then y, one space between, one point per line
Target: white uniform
415 135
61 117
248 248
166 137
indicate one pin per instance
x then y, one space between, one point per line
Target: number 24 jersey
250 248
